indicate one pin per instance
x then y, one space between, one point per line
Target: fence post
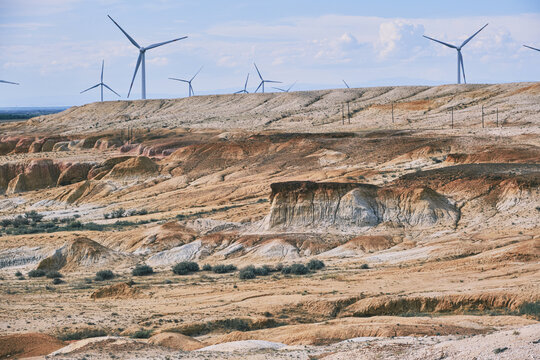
452 110
497 117
342 115
348 113
392 112
482 116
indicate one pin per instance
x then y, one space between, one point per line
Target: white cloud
399 38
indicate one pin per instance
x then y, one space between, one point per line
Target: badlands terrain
429 232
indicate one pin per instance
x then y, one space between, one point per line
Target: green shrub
18 274
247 273
315 264
531 309
141 334
53 275
142 270
57 281
36 273
104 275
296 269
262 271
207 267
34 216
223 269
364 266
185 267
82 334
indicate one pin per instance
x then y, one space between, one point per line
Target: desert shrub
185 267
6 222
222 269
53 275
18 274
142 270
364 266
262 271
82 334
278 267
530 308
20 221
34 216
141 334
247 273
57 281
315 264
104 275
118 213
36 273
295 269
207 267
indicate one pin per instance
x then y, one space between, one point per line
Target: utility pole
348 113
497 117
482 116
392 112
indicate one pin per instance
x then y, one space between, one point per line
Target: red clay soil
27 345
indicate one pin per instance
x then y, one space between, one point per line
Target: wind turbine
530 47
8 82
347 85
190 88
286 90
460 67
262 80
101 84
141 58
244 91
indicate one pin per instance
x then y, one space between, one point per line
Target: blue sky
54 48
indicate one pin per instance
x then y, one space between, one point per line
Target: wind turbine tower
141 58
244 91
190 88
263 81
101 84
460 67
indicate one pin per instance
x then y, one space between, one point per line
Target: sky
54 48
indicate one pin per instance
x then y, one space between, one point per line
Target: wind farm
329 191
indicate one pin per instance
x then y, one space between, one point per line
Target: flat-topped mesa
344 207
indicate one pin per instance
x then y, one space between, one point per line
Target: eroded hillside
422 230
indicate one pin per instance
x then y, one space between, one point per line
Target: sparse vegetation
57 281
82 334
364 266
103 275
207 267
223 269
185 267
315 264
36 273
142 270
141 334
531 309
247 273
295 269
53 275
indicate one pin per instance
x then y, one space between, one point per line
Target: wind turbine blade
111 90
186 81
290 87
102 65
530 47
440 42
245 85
462 68
347 85
258 72
165 42
125 33
90 88
272 81
258 87
197 73
8 82
469 39
139 59
238 92
280 89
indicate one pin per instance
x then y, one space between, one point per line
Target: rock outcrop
309 206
